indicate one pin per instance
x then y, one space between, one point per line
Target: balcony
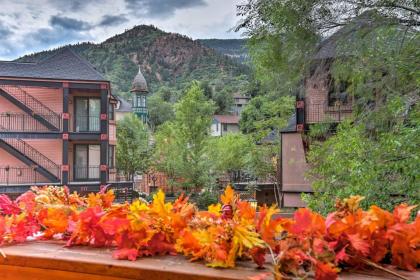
83 173
324 113
16 122
10 176
86 123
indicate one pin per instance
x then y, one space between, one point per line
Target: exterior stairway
31 106
32 157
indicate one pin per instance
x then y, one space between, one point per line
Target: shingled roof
64 64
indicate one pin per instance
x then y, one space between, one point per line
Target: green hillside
168 61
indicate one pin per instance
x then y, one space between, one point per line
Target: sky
28 26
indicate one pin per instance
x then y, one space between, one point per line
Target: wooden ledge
50 260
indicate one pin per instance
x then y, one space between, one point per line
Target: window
86 162
111 156
225 127
337 93
111 111
87 114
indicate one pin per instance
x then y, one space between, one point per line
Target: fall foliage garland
308 244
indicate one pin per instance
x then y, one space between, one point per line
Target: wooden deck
50 260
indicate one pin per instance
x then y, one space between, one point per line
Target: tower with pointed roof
140 91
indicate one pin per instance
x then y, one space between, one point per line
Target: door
87 114
87 162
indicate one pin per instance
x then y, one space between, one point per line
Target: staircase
30 156
32 106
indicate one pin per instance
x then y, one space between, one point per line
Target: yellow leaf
215 208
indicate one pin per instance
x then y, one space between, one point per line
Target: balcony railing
323 112
87 123
16 122
86 173
22 176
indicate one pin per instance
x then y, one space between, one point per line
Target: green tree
181 143
160 110
229 153
264 114
133 149
377 55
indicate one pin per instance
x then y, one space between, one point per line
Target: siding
51 148
294 167
50 97
112 133
7 107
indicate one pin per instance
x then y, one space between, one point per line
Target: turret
140 91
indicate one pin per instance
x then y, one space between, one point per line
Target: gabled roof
124 106
229 119
64 64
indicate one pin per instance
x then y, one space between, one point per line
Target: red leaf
125 254
359 244
258 255
325 271
7 206
402 212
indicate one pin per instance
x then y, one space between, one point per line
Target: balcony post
104 133
65 163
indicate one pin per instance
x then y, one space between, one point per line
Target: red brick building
56 124
321 100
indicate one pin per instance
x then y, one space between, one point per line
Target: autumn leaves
306 245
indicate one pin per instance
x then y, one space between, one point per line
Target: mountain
168 61
234 48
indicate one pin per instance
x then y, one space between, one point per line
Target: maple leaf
26 201
325 271
308 222
258 256
228 197
215 209
125 254
360 245
402 212
8 207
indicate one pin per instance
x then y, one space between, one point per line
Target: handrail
22 122
33 154
31 102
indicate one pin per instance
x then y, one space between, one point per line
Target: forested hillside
169 61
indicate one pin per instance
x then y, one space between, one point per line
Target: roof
238 95
124 106
229 119
64 64
291 124
139 83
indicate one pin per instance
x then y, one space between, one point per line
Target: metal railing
22 175
23 123
323 112
85 173
32 103
87 123
34 155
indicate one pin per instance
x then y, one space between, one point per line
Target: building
140 90
122 108
319 101
224 124
239 103
57 125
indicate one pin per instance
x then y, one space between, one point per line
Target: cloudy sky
28 26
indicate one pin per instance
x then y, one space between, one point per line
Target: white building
224 124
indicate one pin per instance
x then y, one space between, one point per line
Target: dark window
87 114
337 92
111 156
111 111
86 162
225 127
